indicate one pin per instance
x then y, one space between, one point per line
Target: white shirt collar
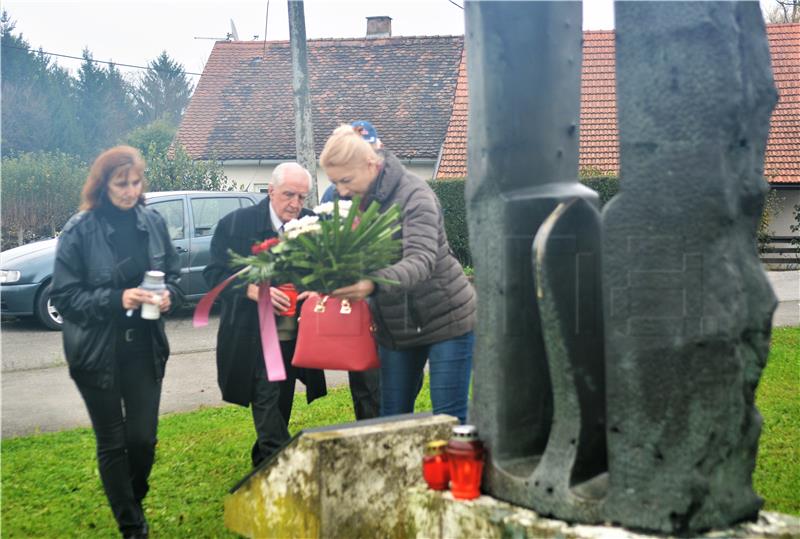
276 221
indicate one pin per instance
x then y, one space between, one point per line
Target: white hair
280 171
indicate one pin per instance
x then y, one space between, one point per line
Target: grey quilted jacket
434 300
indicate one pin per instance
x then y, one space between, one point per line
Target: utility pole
303 126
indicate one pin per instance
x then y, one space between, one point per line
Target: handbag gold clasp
320 306
346 309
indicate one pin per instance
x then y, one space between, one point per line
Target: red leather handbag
335 334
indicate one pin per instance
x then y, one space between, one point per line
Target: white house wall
254 177
248 177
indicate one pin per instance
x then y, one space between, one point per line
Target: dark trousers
125 421
271 404
365 389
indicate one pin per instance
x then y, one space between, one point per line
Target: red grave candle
465 456
434 465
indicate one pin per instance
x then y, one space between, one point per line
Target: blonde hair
345 147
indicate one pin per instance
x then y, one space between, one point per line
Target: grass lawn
777 475
51 488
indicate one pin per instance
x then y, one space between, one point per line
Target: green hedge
451 197
606 186
42 190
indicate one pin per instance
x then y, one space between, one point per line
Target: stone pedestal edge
437 515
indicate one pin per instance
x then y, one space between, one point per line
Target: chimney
379 27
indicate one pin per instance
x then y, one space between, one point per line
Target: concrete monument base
365 480
437 515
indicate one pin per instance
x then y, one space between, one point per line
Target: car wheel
46 312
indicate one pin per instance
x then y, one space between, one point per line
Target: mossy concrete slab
340 481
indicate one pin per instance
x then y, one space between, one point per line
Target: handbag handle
320 306
344 309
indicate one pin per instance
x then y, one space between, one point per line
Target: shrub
178 172
41 190
606 186
772 206
158 133
451 197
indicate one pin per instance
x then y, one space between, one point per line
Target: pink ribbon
270 346
273 358
203 309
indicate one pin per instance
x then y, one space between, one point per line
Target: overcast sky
135 32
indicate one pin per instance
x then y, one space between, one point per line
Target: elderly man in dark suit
240 366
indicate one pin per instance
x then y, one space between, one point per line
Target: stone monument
653 427
688 306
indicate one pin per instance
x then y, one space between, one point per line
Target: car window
208 211
172 212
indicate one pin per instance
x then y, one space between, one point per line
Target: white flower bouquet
337 247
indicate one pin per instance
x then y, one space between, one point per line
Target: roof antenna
266 22
227 37
234 34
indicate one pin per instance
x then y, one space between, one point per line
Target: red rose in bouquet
265 245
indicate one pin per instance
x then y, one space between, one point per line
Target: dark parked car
191 217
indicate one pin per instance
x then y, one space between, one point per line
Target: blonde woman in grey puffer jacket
431 313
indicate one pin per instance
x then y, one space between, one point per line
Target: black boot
142 533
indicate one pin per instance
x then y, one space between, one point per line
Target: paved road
26 345
46 400
787 287
39 396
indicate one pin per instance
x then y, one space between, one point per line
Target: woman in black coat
115 356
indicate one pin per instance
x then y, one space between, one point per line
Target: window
172 212
208 211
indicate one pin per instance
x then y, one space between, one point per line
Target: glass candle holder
290 291
434 465
465 454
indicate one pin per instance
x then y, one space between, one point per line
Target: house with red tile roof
599 142
242 111
414 90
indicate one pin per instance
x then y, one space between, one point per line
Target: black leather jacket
84 282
